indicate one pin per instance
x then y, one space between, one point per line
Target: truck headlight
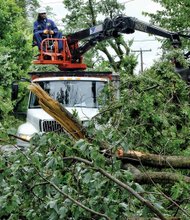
25 137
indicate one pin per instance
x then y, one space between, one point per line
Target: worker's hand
46 31
51 32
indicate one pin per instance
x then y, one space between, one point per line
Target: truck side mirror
14 93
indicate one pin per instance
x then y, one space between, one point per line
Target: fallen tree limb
156 177
153 160
77 131
160 177
59 113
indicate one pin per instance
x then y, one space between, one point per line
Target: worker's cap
41 11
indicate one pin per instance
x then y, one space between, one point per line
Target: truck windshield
71 93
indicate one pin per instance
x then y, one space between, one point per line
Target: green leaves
153 115
63 212
78 180
15 52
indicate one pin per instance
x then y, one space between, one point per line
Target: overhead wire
127 1
57 2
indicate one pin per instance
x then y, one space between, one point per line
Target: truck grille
48 126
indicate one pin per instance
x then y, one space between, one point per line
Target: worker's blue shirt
41 25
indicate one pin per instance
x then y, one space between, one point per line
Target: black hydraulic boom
113 28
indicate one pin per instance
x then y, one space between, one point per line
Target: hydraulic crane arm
113 28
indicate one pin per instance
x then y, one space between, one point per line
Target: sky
133 8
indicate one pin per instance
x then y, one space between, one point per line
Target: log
160 177
149 177
154 160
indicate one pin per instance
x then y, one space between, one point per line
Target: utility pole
141 56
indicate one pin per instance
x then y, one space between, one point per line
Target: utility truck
76 89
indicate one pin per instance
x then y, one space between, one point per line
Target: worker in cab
45 28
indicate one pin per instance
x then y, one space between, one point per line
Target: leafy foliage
153 111
15 50
49 180
15 57
153 114
173 17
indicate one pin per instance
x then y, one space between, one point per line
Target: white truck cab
78 93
